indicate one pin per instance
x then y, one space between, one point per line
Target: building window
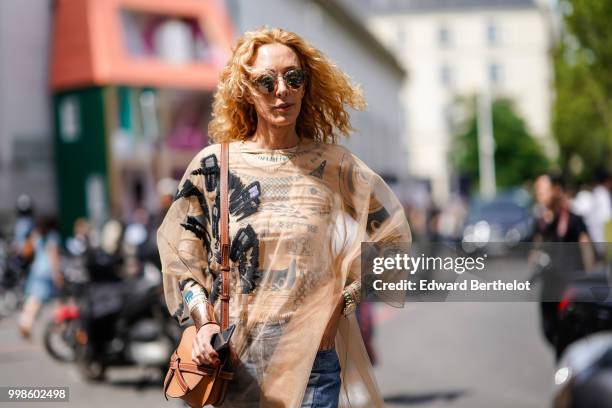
444 36
70 119
446 75
495 74
493 33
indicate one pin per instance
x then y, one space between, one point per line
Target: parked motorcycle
61 330
123 315
585 308
125 323
117 315
12 280
583 378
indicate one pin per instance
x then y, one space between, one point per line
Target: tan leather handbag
200 385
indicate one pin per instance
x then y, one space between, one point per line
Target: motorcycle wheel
91 370
9 303
58 343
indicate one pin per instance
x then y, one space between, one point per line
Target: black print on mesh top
197 226
376 219
318 172
282 279
190 190
188 283
183 283
243 201
178 313
216 289
245 251
209 168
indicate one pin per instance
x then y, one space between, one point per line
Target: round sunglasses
266 83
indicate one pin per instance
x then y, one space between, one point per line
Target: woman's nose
281 89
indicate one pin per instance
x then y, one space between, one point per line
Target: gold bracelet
355 289
349 303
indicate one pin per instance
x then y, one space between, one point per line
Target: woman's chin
282 121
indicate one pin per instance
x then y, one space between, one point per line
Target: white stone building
458 47
26 143
334 28
26 116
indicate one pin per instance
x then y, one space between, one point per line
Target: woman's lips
283 107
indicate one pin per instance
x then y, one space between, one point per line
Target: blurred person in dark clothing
365 318
166 191
555 221
556 224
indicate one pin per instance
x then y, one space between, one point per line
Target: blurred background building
131 98
333 27
101 99
454 48
26 126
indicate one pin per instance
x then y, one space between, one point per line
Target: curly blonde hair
324 107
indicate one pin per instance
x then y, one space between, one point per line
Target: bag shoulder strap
225 246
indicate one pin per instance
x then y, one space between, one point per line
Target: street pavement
27 364
464 355
460 355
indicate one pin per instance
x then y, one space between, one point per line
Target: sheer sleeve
372 213
184 241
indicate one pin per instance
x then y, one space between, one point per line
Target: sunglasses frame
266 91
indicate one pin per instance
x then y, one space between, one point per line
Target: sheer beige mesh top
297 220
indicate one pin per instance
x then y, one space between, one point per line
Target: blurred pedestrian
555 223
44 276
80 240
601 210
166 191
24 224
365 317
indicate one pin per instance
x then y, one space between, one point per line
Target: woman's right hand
202 351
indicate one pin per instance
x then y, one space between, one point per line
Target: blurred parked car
499 223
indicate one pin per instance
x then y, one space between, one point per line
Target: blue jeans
323 390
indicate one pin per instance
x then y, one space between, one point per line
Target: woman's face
544 191
279 104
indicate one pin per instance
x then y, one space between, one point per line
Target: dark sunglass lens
294 78
265 83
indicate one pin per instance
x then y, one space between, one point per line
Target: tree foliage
581 117
518 156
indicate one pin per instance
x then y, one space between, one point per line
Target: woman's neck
273 137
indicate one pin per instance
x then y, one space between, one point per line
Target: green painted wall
81 153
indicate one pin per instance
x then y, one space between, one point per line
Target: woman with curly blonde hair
299 207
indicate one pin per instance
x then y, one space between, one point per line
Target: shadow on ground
414 399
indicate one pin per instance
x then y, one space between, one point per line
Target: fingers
203 353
